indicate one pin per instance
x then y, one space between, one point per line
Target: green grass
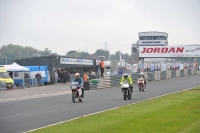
176 113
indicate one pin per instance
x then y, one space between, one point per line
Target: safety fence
2 85
112 81
29 82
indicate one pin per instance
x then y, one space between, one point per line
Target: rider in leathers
129 79
143 76
80 82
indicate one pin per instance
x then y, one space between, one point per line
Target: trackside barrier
29 82
157 75
189 72
114 80
177 73
163 75
37 82
192 71
173 74
2 85
185 72
181 73
168 74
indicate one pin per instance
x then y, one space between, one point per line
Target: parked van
4 77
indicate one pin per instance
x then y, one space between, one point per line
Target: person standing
56 77
64 77
102 66
67 76
61 76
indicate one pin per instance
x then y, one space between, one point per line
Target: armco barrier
168 74
181 73
93 86
114 80
157 75
134 77
185 72
173 74
151 76
177 73
163 75
2 85
189 72
192 71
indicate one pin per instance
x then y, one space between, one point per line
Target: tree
46 52
100 52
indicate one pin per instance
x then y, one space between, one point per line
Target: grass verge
176 113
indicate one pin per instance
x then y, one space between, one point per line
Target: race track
28 114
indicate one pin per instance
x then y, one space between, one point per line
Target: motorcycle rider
143 76
129 79
80 82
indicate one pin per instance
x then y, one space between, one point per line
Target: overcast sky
85 25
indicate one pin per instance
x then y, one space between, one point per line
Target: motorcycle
141 84
126 90
76 92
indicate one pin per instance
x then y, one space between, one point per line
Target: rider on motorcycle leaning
129 79
142 76
78 79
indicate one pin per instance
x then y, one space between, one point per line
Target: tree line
12 52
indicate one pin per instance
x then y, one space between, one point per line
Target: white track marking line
108 110
33 97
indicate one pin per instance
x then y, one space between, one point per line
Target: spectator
85 77
38 77
102 66
61 76
64 77
56 77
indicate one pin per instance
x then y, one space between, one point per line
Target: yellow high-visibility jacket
130 81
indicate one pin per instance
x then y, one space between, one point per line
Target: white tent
15 67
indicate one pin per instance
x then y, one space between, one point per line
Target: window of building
15 74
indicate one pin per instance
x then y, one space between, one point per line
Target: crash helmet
77 75
141 74
125 75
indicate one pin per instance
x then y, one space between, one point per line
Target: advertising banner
180 66
76 61
128 66
135 67
163 67
141 65
152 67
168 66
169 51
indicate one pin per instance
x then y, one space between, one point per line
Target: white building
152 38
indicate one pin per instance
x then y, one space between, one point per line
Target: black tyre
129 95
140 88
74 97
125 95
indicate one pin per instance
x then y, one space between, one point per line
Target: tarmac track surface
26 114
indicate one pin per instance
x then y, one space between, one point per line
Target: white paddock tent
17 72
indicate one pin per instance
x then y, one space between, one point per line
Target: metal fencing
2 85
29 82
115 67
114 80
